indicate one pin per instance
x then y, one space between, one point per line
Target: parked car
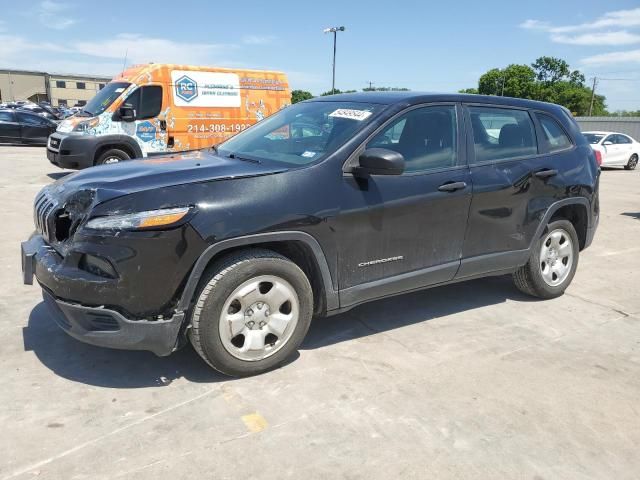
159 108
39 111
376 194
64 111
614 149
21 127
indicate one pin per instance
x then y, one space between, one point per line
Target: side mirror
607 143
126 114
379 161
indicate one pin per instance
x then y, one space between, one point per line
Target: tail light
598 154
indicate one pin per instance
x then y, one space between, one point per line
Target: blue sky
422 45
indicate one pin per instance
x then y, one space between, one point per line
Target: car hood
110 181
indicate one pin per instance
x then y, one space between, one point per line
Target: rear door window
29 119
502 133
554 135
7 117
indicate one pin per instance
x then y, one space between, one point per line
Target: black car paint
338 219
19 132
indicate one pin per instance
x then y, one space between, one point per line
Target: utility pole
335 31
370 85
503 79
593 94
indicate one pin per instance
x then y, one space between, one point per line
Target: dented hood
110 181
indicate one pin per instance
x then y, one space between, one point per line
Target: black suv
323 206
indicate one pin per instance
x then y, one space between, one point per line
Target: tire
632 163
546 275
113 155
244 287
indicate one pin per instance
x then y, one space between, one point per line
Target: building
628 125
58 89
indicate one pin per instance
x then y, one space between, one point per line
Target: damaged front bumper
96 325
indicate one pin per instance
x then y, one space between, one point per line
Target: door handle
546 173
452 186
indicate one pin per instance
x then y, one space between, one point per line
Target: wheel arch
120 142
301 248
575 210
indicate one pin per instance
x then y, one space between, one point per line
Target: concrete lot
468 381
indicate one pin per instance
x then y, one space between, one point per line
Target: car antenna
124 63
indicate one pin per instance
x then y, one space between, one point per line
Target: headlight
85 125
135 221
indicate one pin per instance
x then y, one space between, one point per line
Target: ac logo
186 88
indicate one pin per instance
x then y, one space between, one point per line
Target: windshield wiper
244 159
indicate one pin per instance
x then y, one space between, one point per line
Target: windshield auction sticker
358 115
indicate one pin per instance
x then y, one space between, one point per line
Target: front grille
43 215
54 143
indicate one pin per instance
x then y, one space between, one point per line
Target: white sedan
614 149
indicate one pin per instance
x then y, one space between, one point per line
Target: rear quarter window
553 134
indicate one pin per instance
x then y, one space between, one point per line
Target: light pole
335 31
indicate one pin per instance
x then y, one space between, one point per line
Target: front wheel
113 155
553 262
632 163
252 312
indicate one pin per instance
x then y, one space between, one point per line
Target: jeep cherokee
325 205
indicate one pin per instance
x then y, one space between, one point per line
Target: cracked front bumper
107 328
99 326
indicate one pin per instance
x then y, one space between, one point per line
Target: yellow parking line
254 422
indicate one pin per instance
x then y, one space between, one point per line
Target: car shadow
635 215
104 367
411 308
58 175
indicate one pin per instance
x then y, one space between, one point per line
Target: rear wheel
252 312
553 262
113 155
632 163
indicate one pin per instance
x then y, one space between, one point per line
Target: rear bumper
107 328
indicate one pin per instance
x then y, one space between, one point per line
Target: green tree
385 89
547 79
300 95
512 81
625 113
469 90
335 92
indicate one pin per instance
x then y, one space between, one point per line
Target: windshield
302 133
104 98
593 138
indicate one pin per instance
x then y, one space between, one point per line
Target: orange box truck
159 108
